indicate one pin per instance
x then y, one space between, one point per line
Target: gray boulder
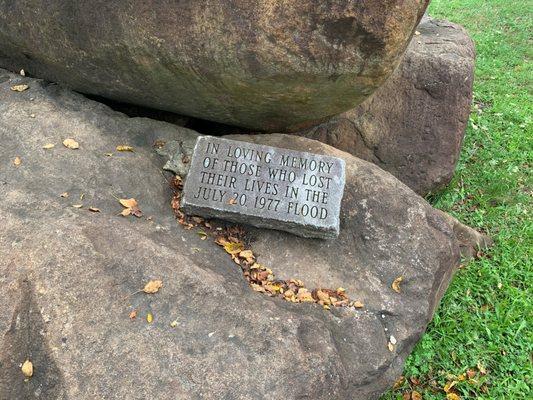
69 277
414 124
257 64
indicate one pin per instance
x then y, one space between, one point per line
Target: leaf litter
260 278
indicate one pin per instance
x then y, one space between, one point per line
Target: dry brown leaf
94 209
399 382
19 88
125 148
128 203
71 144
17 161
125 212
305 296
415 395
396 284
470 373
153 286
358 304
133 314
27 369
449 386
49 146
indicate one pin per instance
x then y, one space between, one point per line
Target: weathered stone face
266 65
68 276
265 186
414 124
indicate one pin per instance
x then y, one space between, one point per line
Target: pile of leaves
260 278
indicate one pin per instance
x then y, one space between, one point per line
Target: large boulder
414 124
259 64
70 277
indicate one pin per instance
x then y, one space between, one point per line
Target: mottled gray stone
265 186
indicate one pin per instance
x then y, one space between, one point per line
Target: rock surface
69 276
414 124
259 64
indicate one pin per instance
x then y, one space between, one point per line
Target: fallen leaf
108 154
358 304
125 212
452 396
449 386
94 209
233 247
77 205
125 148
19 88
390 346
17 161
174 323
470 373
133 314
71 144
415 395
399 382
129 203
396 284
64 194
202 235
27 369
48 146
153 286
417 33
149 318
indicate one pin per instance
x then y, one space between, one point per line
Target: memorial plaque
265 186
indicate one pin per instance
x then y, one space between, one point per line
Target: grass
484 322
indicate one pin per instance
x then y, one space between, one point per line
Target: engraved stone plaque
265 186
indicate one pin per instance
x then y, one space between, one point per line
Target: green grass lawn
484 321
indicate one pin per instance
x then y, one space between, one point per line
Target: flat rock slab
67 274
265 186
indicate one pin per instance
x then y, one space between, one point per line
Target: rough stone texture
265 186
414 124
266 65
67 275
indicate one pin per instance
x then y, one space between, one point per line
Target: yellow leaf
358 304
125 212
233 247
452 396
174 323
71 144
449 386
125 148
128 203
17 161
149 318
19 88
396 284
27 369
390 346
153 286
48 146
